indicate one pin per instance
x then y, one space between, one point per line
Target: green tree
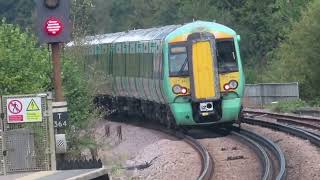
297 59
17 12
101 14
82 17
203 10
24 66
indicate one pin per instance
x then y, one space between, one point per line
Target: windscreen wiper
183 65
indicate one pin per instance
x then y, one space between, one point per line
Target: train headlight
233 84
176 89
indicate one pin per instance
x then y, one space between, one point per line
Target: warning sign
15 106
22 110
33 106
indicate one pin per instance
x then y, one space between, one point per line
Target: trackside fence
25 134
258 95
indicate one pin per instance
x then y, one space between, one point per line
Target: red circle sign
15 106
53 26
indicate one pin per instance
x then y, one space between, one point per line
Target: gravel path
302 157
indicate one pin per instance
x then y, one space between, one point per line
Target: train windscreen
226 54
179 61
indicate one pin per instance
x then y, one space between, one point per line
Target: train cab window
226 54
178 61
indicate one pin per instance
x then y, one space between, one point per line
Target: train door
204 77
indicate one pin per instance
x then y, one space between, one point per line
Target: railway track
296 131
265 149
270 155
206 159
304 121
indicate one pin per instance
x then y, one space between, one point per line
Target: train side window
226 54
150 59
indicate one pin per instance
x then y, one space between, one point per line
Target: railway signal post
54 28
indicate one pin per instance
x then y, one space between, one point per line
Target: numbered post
60 114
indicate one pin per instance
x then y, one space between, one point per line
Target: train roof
156 33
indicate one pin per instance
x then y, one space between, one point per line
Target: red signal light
53 26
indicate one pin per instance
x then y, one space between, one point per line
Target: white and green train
182 75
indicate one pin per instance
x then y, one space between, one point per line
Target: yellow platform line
37 175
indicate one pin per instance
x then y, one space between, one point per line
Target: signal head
51 4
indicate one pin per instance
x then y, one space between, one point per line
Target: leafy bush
25 68
82 110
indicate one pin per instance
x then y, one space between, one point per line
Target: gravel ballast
166 157
150 154
233 159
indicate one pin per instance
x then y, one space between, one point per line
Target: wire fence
25 145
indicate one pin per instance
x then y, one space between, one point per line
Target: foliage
83 113
287 106
82 17
203 10
17 11
24 67
297 59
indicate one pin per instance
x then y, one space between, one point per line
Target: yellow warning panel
33 106
203 70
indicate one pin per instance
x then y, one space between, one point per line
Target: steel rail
311 132
206 159
298 123
262 154
279 115
285 128
260 143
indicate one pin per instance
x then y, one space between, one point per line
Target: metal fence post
51 134
298 93
3 160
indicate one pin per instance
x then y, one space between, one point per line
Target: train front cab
206 79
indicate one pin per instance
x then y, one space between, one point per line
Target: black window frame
178 44
235 54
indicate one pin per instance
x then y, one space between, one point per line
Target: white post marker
60 114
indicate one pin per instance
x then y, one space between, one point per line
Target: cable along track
260 145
